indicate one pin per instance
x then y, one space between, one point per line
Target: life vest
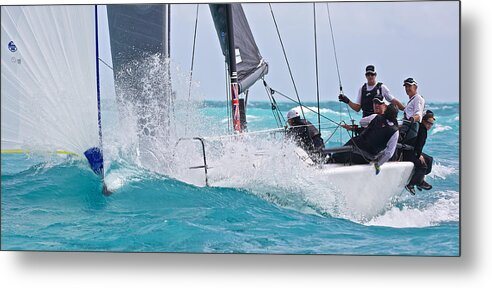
366 98
376 136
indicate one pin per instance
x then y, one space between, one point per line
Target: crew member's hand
343 98
377 167
412 119
422 160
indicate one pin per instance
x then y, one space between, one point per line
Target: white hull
363 192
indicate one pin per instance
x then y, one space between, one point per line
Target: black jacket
306 135
418 144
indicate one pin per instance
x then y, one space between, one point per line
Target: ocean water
54 203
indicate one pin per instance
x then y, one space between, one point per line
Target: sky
402 39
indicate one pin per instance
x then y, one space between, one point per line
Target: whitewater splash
262 164
445 209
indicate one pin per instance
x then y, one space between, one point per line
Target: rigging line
312 110
286 60
336 63
192 66
105 63
193 51
316 60
277 114
334 48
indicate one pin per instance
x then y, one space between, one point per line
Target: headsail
140 49
49 91
137 31
250 64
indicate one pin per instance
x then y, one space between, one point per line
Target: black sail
139 37
136 31
250 64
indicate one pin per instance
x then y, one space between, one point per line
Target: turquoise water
55 204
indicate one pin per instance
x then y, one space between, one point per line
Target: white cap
293 113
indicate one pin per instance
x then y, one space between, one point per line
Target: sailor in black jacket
304 134
377 143
422 161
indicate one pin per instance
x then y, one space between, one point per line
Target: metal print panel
265 128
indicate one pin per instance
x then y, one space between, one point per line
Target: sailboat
360 187
52 80
58 62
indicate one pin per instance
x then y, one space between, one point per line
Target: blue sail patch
95 157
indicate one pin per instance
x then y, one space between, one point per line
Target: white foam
445 209
440 128
321 110
441 171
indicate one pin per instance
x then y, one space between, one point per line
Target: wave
440 128
314 109
441 171
445 209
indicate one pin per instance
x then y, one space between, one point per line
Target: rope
279 118
316 61
193 52
293 100
192 65
336 63
286 60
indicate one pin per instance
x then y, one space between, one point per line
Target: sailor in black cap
377 143
379 107
367 92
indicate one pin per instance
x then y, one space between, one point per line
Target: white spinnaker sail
48 82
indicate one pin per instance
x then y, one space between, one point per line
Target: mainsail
50 81
250 64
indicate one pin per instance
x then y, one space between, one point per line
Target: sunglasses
370 74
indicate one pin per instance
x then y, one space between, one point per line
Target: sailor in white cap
304 133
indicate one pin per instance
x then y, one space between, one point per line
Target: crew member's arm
355 106
389 150
398 104
390 98
364 122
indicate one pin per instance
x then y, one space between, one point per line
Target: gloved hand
377 167
411 119
343 98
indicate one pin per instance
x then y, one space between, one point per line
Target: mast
236 119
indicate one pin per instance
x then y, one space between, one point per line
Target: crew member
377 143
421 161
304 133
379 107
367 92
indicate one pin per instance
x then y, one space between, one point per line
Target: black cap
378 99
409 81
370 69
